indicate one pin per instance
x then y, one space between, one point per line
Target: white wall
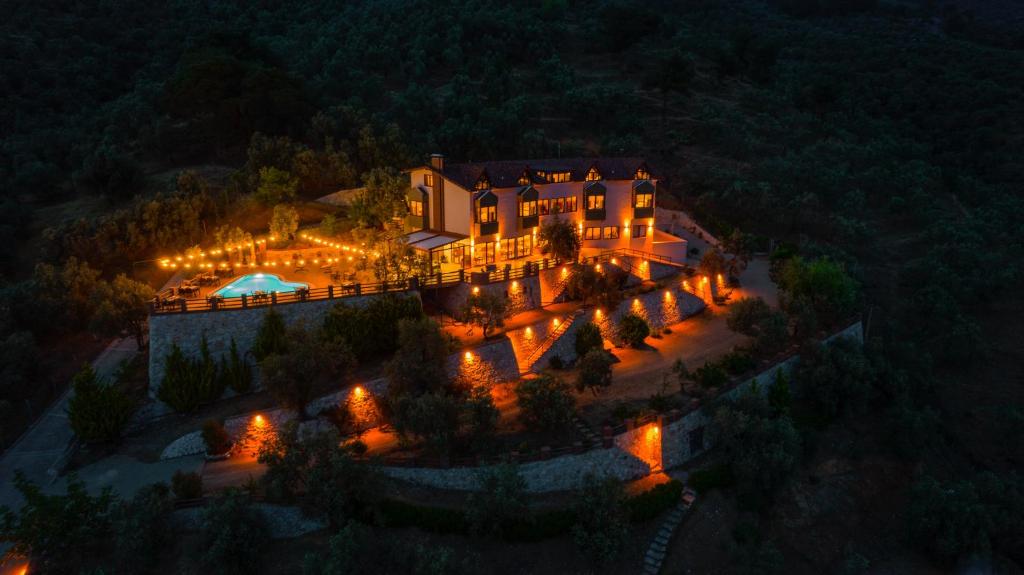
457 208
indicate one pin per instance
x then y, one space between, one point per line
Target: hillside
886 135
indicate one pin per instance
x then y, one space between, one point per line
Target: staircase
544 346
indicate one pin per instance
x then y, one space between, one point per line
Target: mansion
489 213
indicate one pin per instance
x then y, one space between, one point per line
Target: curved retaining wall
660 444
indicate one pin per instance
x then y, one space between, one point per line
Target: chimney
437 162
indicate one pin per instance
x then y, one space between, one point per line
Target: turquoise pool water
257 282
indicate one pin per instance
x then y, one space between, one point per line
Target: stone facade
487 364
523 294
219 327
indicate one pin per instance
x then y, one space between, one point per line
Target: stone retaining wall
522 294
487 364
676 435
187 329
557 474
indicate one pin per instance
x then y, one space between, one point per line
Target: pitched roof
506 173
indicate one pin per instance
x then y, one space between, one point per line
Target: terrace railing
164 304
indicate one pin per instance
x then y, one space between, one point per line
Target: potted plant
218 442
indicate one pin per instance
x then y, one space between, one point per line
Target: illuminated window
642 174
519 247
639 231
570 204
543 207
554 177
483 183
592 233
595 201
487 214
524 180
593 175
527 208
643 199
611 232
416 208
428 180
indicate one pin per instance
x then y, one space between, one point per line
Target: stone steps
658 549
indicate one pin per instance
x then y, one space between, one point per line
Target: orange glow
469 357
258 420
555 322
615 261
597 313
476 290
515 285
597 267
358 391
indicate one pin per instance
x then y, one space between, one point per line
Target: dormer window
642 174
483 183
428 180
643 199
524 180
593 175
487 214
554 177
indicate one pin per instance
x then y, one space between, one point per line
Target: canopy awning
427 240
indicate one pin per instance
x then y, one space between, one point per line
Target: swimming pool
257 282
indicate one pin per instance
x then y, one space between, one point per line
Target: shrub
745 314
309 365
737 362
836 378
97 411
272 336
142 528
710 375
373 330
545 402
654 501
778 394
188 383
58 532
433 417
588 337
600 527
215 437
179 387
187 485
234 535
485 309
499 499
419 363
633 329
595 371
235 372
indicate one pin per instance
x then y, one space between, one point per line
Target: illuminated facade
480 214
